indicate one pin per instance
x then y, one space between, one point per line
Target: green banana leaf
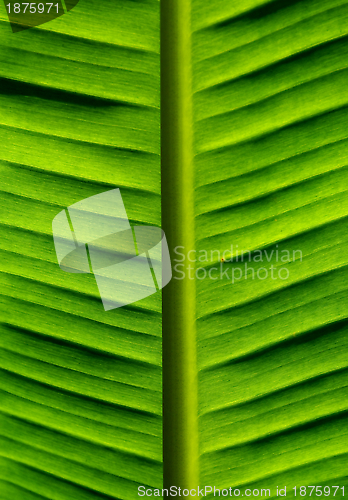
270 120
253 182
80 389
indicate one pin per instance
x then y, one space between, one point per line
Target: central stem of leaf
180 424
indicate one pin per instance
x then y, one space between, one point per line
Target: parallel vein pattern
80 389
270 102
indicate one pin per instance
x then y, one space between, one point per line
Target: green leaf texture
270 120
80 389
263 169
